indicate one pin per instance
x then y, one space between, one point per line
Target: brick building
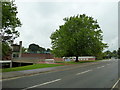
35 57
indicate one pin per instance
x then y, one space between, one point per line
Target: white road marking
115 84
83 72
100 67
42 84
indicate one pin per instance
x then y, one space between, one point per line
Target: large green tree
9 22
79 36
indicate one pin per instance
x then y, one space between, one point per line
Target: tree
33 48
9 21
119 53
6 50
42 50
108 54
114 54
24 50
79 36
48 50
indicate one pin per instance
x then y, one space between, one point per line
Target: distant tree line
109 54
34 48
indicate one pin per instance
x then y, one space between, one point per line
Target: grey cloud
41 19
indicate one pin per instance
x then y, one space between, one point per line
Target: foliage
6 50
79 36
108 54
119 53
24 50
9 21
114 53
42 50
48 50
34 48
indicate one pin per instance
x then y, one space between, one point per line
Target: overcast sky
40 19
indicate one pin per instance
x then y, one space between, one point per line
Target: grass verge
73 62
37 66
29 67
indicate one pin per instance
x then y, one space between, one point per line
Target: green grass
29 67
73 62
37 66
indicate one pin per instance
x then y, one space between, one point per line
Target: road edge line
115 84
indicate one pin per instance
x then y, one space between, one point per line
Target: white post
11 64
20 52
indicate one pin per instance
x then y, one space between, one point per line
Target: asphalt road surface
102 74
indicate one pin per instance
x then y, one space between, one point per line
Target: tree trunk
76 59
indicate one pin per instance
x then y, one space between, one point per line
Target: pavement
103 74
7 75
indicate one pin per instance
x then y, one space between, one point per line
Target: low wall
58 59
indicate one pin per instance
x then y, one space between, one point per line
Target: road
102 74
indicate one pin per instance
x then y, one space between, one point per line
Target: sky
41 18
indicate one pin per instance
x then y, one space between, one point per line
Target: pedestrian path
6 75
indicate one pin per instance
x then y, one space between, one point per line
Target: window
15 55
